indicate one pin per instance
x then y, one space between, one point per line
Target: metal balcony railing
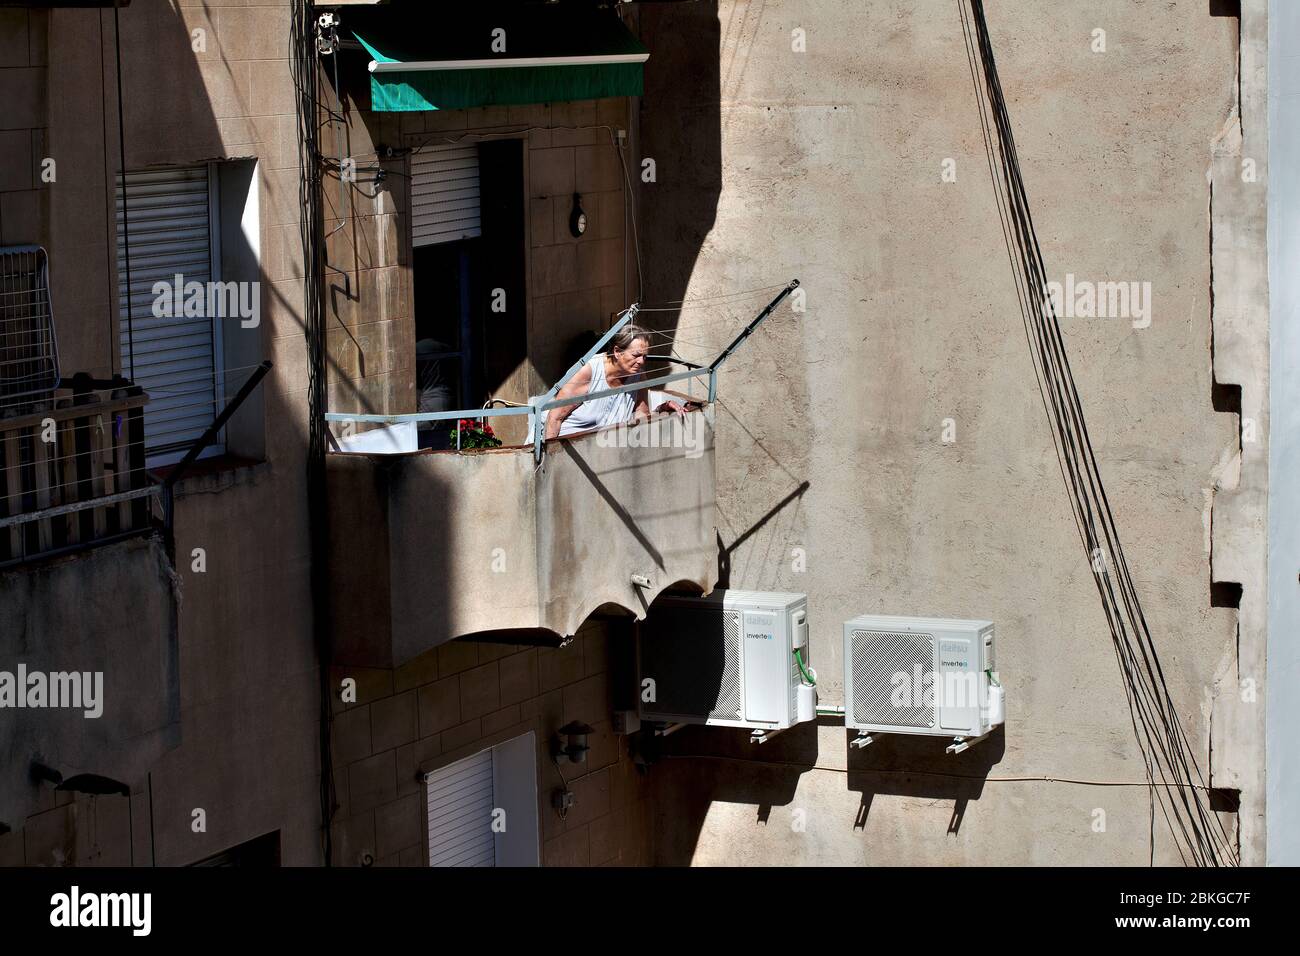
539 405
72 472
29 355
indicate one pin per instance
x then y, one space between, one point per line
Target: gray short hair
627 335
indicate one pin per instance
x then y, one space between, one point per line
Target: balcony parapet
430 546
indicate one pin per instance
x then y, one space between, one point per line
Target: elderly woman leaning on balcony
621 365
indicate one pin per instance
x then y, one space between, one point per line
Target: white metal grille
729 702
29 365
444 194
882 660
174 357
460 813
693 657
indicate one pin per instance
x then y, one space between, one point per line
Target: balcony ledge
430 546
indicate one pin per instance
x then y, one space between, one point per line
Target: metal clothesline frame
539 405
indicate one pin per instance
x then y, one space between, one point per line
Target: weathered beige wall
826 165
635 499
111 612
1238 175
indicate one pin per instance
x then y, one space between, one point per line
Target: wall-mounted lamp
571 742
577 218
91 783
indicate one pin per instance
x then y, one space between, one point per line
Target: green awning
425 57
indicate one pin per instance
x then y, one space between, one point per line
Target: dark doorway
505 333
469 297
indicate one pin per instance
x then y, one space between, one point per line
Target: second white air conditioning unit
730 659
915 675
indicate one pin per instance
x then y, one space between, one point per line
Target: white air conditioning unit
919 675
731 659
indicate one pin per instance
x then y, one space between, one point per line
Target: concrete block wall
575 285
370 330
22 125
458 700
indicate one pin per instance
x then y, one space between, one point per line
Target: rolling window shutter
461 798
175 356
444 194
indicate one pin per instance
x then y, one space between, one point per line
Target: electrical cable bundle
1173 773
305 78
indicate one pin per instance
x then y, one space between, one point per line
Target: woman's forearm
556 419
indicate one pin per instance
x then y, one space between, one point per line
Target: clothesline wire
714 298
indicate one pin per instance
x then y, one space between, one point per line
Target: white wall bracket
963 743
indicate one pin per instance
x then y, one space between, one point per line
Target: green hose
798 658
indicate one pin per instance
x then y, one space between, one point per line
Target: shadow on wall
682 132
918 766
698 767
681 128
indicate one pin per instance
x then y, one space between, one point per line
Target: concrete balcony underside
112 611
431 546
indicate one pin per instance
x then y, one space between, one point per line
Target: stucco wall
828 165
111 613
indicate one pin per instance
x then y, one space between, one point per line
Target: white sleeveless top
600 412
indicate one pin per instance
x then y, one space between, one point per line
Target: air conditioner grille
693 658
877 657
729 698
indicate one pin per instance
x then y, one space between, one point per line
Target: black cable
1087 480
311 227
1069 421
1166 749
